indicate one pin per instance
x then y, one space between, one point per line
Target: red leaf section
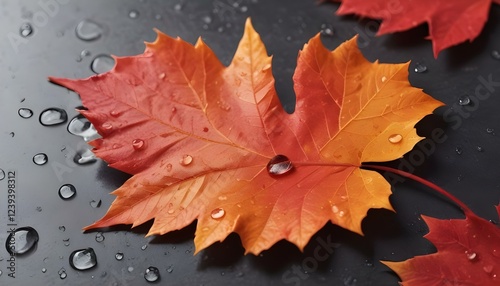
468 253
450 22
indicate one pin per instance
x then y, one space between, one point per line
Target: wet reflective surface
119 28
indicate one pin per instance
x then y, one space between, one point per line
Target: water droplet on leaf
279 165
395 138
83 259
471 255
186 160
138 144
218 213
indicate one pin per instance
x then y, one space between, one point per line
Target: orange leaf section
450 22
197 137
468 253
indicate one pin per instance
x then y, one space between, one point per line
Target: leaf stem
431 185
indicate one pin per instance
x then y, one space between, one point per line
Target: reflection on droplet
53 116
95 204
170 269
420 68
279 165
44 270
470 255
67 191
21 240
99 237
102 64
130 269
464 100
40 159
88 30
83 259
25 112
62 273
144 247
152 274
186 160
119 256
84 157
218 213
138 144
26 30
395 138
133 14
80 126
335 209
66 241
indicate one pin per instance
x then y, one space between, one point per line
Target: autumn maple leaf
213 143
450 22
468 253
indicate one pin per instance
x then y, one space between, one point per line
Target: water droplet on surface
130 269
83 259
66 241
2 174
26 30
178 7
341 213
88 30
80 126
459 150
40 159
22 240
186 160
495 54
464 100
144 247
102 63
99 237
119 256
62 228
220 29
384 79
420 68
152 274
279 165
38 209
138 144
158 17
62 273
479 149
84 157
207 19
67 191
133 14
218 213
327 30
490 131
95 204
471 255
395 138
53 116
12 134
44 270
25 112
170 269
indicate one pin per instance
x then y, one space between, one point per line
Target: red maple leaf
205 142
468 253
450 21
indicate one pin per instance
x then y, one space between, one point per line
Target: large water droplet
83 259
26 30
152 274
279 165
84 157
25 112
464 100
80 126
218 213
395 138
119 256
88 30
420 68
67 191
40 159
138 144
186 160
21 240
53 116
95 204
102 64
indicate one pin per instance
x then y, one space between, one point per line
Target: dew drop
119 256
170 269
420 68
95 204
84 157
40 159
152 274
495 54
464 100
395 138
186 160
130 269
138 144
66 241
67 191
26 30
80 126
133 14
102 63
62 273
12 134
114 113
88 30
53 116
83 259
99 237
171 211
25 112
470 255
218 213
21 240
279 165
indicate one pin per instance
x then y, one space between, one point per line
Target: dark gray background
285 26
